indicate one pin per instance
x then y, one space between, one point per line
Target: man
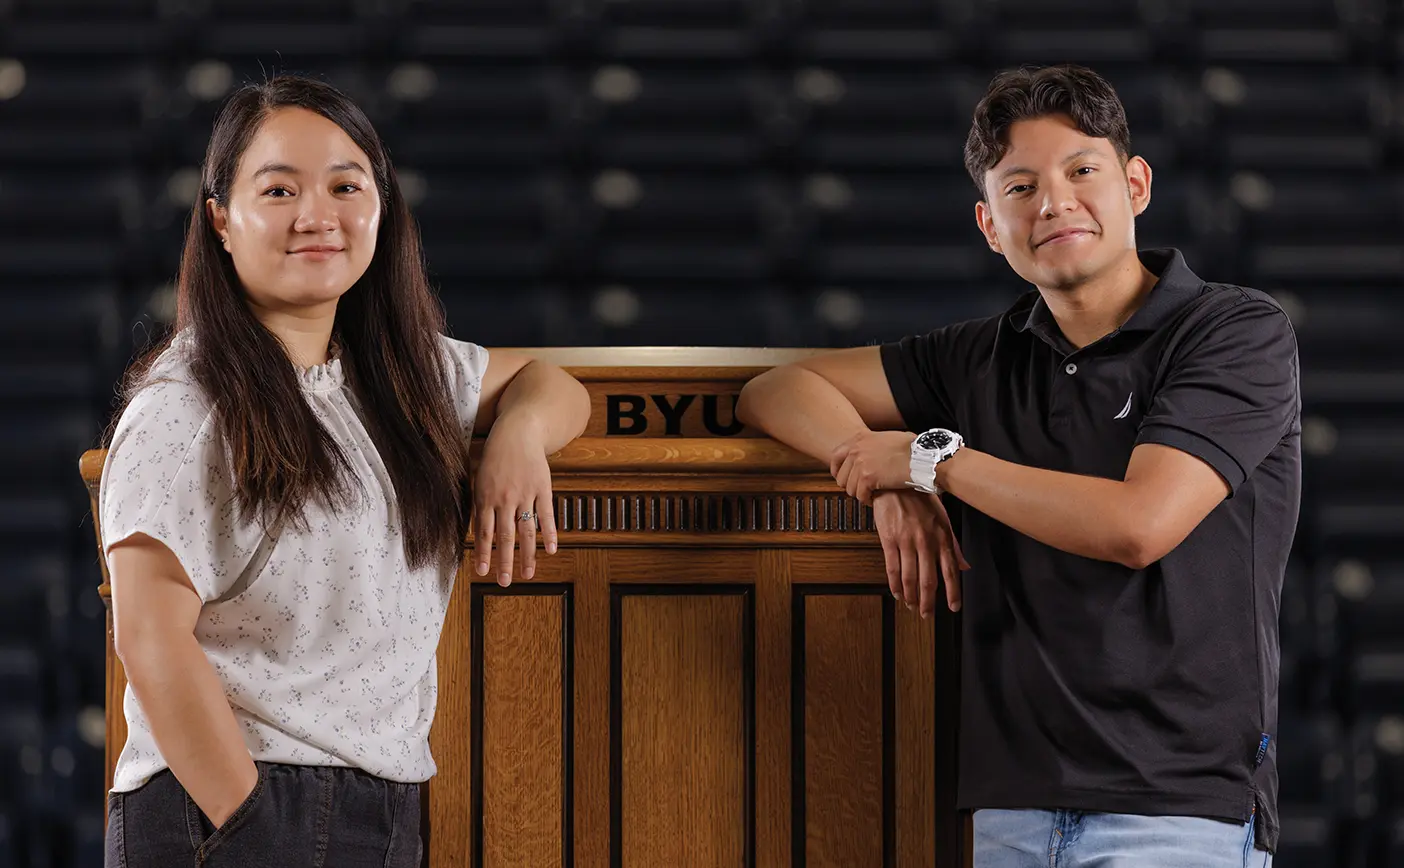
1125 444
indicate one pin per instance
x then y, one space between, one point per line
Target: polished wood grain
916 739
449 798
695 454
843 738
592 692
661 364
729 566
523 733
683 743
859 565
116 691
774 615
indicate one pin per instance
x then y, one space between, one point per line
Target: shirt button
1071 368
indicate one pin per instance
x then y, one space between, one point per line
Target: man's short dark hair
1028 93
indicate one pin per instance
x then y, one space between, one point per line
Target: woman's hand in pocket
228 798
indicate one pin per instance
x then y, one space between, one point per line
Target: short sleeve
467 365
167 476
928 372
1232 395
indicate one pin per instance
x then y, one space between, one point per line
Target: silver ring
526 516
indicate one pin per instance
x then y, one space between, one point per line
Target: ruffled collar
325 377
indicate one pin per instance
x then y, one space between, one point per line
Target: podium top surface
667 357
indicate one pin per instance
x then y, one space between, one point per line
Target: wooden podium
710 671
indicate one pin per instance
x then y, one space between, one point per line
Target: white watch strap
923 473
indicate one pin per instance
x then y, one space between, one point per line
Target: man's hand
873 461
916 535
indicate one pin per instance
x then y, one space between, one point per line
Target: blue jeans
1076 839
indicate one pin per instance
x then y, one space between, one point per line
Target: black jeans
303 816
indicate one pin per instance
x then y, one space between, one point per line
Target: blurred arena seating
772 172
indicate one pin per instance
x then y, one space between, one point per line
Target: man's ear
985 220
219 219
1138 184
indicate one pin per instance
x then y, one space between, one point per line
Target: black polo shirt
1087 685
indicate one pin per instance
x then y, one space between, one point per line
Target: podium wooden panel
710 672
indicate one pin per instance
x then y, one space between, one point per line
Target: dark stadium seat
1313 762
922 208
1339 100
1281 207
28 589
852 118
1347 453
1368 523
651 227
221 12
863 14
468 96
486 206
506 315
64 115
9 847
21 752
1393 856
1308 838
1375 677
682 312
21 674
649 116
1276 264
34 204
54 320
113 28
864 312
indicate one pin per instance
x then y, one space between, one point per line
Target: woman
286 500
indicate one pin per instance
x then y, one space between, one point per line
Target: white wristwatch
929 449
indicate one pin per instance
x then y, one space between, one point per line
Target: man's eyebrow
1075 155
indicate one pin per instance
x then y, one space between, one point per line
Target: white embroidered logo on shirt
1127 409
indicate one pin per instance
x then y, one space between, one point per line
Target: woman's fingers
483 519
505 540
546 515
526 535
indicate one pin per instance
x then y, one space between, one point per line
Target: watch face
938 439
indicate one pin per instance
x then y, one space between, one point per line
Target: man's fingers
482 539
837 458
546 514
892 557
911 575
950 576
927 590
841 477
506 539
526 535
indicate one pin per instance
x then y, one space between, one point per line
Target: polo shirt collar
1176 284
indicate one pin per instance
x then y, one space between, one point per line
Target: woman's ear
219 219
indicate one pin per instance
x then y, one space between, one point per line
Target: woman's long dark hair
388 328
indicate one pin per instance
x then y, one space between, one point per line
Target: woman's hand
513 480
